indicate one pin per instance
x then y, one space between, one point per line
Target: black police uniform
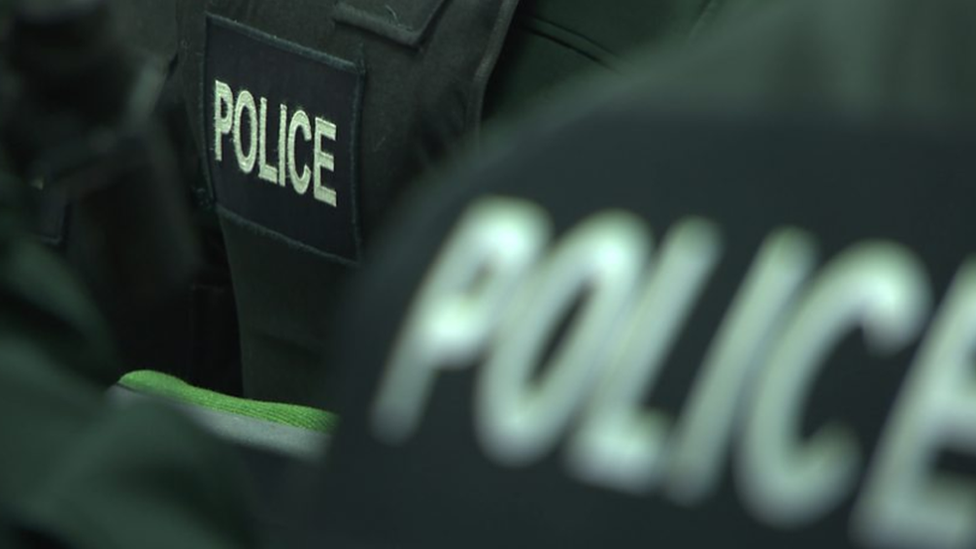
729 302
394 88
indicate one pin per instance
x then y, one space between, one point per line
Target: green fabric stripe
167 386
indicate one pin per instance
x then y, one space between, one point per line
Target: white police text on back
500 289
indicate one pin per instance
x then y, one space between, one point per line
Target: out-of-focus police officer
728 303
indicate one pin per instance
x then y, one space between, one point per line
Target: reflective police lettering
618 444
879 287
323 160
519 421
498 290
704 430
282 166
245 101
265 172
281 121
223 116
906 504
299 121
244 120
459 307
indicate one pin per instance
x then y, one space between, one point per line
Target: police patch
281 129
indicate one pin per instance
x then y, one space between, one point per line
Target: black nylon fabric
405 22
419 100
553 44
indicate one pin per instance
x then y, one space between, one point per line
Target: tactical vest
404 84
314 116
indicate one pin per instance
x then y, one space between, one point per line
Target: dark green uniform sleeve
54 354
145 477
72 466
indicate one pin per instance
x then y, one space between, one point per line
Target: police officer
312 121
728 302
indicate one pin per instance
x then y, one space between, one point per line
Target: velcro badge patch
281 128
